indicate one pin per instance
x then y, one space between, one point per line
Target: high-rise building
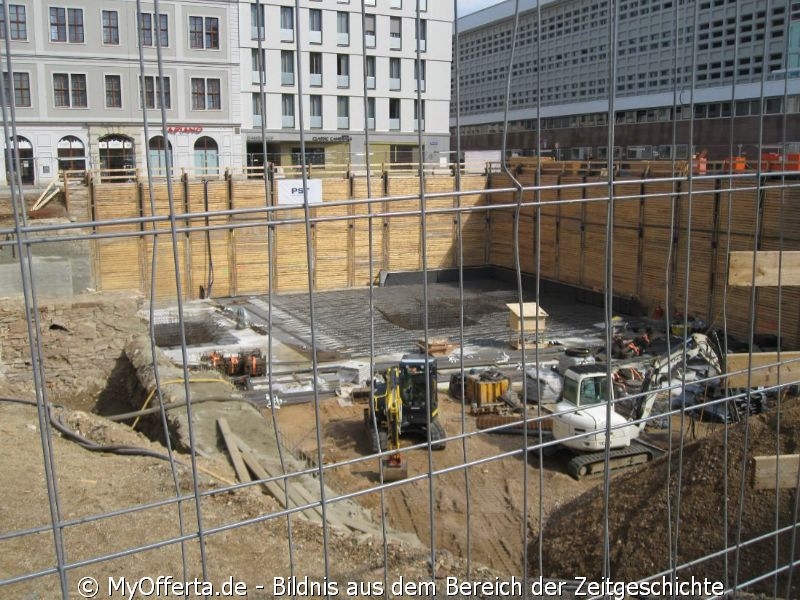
665 72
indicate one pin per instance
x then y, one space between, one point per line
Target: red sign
182 129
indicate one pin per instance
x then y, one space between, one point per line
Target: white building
76 85
333 73
77 88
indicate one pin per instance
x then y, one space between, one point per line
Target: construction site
427 405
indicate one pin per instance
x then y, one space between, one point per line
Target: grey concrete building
662 68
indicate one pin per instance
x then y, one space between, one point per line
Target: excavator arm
394 466
662 368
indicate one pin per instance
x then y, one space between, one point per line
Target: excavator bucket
395 468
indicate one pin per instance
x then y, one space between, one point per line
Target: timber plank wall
648 252
237 250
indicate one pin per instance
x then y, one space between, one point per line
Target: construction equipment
404 401
480 387
586 429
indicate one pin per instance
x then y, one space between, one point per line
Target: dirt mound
643 504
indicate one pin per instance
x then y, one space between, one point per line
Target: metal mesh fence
270 465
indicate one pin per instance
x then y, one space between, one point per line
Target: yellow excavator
400 405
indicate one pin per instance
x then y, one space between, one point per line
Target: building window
206 94
370 72
113 91
395 33
343 28
22 89
316 111
394 113
343 112
394 74
17 22
422 40
419 115
315 25
287 67
419 75
343 70
110 27
371 113
256 22
315 68
66 25
257 113
152 92
369 30
69 90
259 62
287 110
204 33
146 29
287 24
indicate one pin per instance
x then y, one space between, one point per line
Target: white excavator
580 420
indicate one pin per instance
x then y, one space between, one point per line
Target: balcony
422 45
256 33
371 123
315 37
419 85
316 122
315 80
370 40
287 78
287 121
343 122
287 35
394 124
343 39
418 125
257 120
258 77
343 81
371 82
394 83
395 43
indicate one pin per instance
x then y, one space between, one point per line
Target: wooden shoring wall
235 247
664 240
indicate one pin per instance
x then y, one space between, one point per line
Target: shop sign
291 191
183 129
332 138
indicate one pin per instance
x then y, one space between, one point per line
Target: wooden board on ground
765 369
740 268
769 471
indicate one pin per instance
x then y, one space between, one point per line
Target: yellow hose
172 381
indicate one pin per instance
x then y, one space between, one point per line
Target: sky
466 7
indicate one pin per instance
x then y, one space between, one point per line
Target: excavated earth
707 503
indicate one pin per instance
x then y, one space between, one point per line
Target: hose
121 449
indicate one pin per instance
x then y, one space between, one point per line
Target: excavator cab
414 370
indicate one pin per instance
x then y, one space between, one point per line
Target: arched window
26 169
117 154
206 156
71 155
158 155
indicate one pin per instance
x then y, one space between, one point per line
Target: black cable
85 442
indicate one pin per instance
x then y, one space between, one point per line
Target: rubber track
574 465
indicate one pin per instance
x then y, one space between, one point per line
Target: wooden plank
233 450
740 268
781 469
765 370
